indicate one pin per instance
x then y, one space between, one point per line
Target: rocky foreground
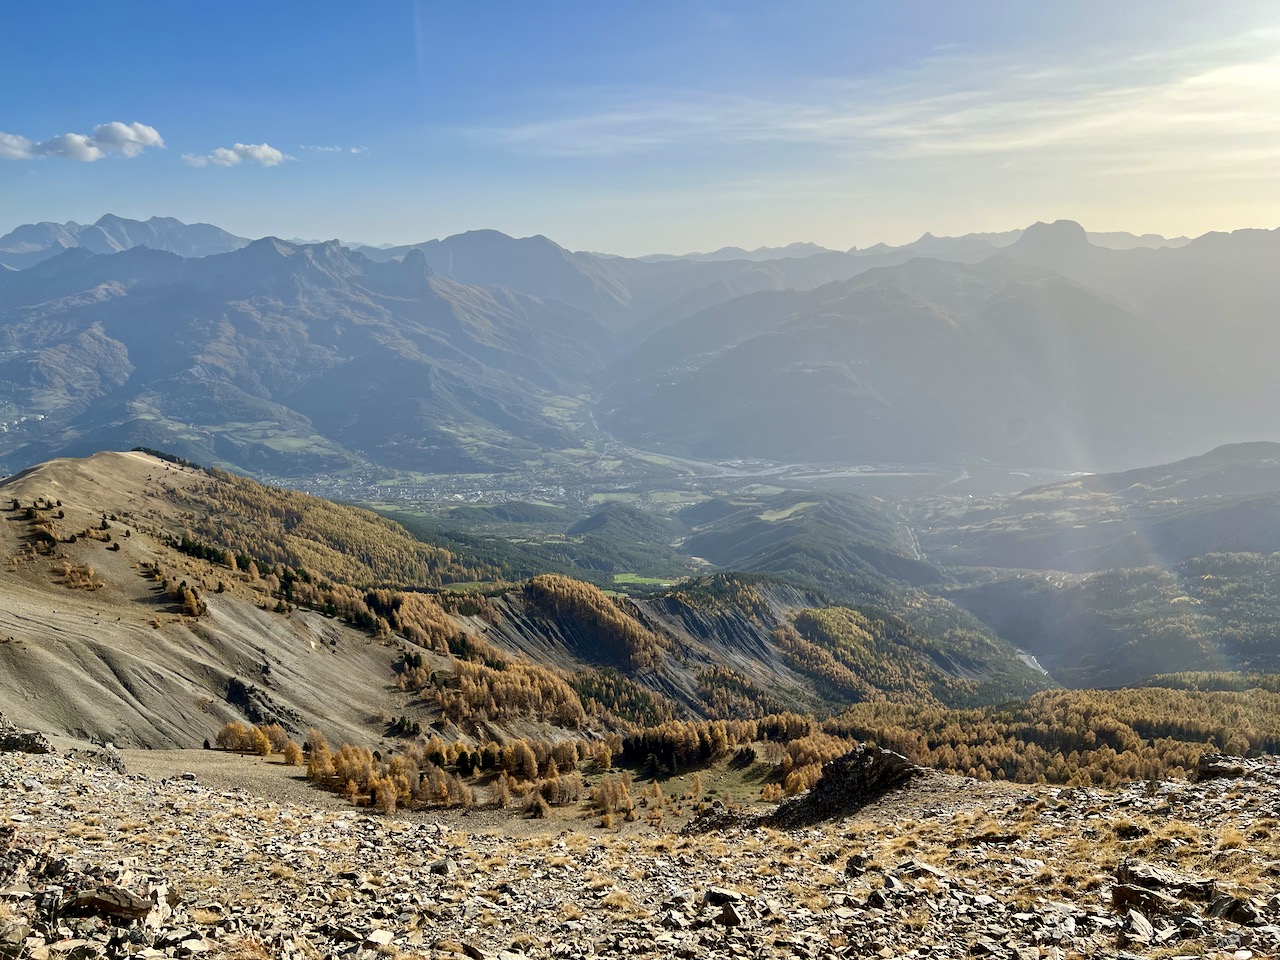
95 861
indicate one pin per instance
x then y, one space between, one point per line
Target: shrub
537 806
613 795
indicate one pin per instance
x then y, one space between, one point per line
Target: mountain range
1052 351
483 352
926 245
32 243
276 356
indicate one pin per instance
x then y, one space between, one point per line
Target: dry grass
243 948
918 919
1231 838
571 911
450 946
619 900
597 882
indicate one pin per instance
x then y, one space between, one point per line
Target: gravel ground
269 778
942 868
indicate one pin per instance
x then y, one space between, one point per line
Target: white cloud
71 146
1209 105
126 139
14 147
262 153
334 149
129 138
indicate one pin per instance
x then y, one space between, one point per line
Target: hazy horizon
377 242
672 128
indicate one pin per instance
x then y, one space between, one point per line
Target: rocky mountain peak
1060 238
415 262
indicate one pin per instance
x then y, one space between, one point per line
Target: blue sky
634 128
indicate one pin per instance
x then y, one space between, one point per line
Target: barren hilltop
93 646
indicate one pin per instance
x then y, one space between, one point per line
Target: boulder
1213 766
1151 902
1135 873
108 901
847 784
13 740
1137 930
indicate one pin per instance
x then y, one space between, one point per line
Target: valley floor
944 867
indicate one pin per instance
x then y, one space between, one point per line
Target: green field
774 515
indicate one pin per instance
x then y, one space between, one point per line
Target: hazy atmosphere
666 127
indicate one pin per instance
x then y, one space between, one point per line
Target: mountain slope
1109 579
1217 295
1225 501
91 645
830 541
285 358
1213 613
924 361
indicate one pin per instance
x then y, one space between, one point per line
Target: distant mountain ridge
33 243
631 296
1050 351
1037 348
286 358
800 249
927 245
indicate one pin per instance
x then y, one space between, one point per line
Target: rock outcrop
14 740
847 784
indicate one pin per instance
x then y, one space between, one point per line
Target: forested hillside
124 544
1109 579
